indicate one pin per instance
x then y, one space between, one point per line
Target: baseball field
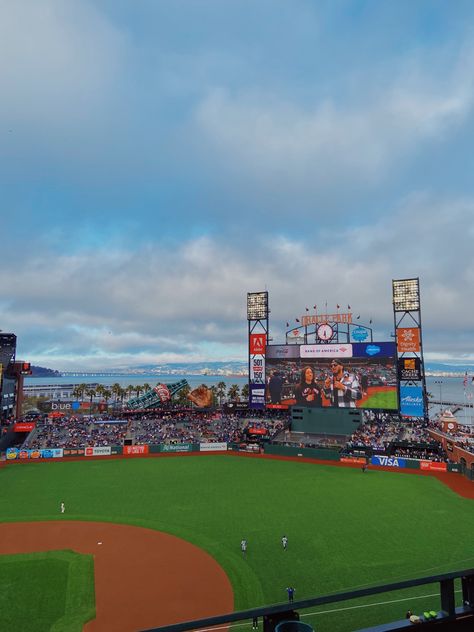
170 525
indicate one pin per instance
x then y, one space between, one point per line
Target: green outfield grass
386 400
346 529
53 590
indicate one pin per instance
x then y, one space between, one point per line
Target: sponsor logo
176 447
135 449
359 334
24 426
408 340
163 392
12 454
353 459
59 406
328 351
257 344
433 466
35 454
212 447
372 350
388 461
98 451
75 405
411 401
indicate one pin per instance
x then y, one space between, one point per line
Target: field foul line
313 614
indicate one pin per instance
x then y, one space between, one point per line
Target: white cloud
189 301
277 142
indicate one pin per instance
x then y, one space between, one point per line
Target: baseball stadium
327 499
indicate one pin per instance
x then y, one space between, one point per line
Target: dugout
325 421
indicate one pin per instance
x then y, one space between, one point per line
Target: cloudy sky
161 158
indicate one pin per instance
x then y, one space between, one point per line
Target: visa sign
388 461
411 401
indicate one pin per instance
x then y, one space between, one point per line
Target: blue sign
75 405
411 401
374 349
359 334
388 461
257 396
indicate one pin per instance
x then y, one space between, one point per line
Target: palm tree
116 390
233 392
245 391
77 392
138 389
107 395
181 396
90 392
146 387
130 388
220 390
213 388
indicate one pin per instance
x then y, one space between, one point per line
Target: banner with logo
388 461
434 466
13 454
257 344
283 351
411 401
257 370
129 450
326 351
409 369
408 340
73 452
98 451
257 396
24 426
176 447
212 447
353 459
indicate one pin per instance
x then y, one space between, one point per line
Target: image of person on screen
275 387
308 392
342 388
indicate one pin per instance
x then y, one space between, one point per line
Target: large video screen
359 375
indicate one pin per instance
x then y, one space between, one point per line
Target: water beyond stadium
445 389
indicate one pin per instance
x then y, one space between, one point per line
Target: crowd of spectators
173 426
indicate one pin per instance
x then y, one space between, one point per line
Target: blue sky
160 159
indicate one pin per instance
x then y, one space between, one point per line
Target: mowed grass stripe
345 528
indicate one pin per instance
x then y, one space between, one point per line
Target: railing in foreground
274 614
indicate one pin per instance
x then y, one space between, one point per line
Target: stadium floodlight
406 295
257 305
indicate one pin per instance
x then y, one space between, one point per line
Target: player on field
284 542
243 546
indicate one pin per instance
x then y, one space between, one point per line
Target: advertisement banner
24 426
98 451
11 454
434 466
257 370
283 351
374 350
257 396
163 392
134 449
409 369
52 453
326 351
257 344
411 401
353 459
212 447
388 461
176 447
47 453
408 340
73 452
257 431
